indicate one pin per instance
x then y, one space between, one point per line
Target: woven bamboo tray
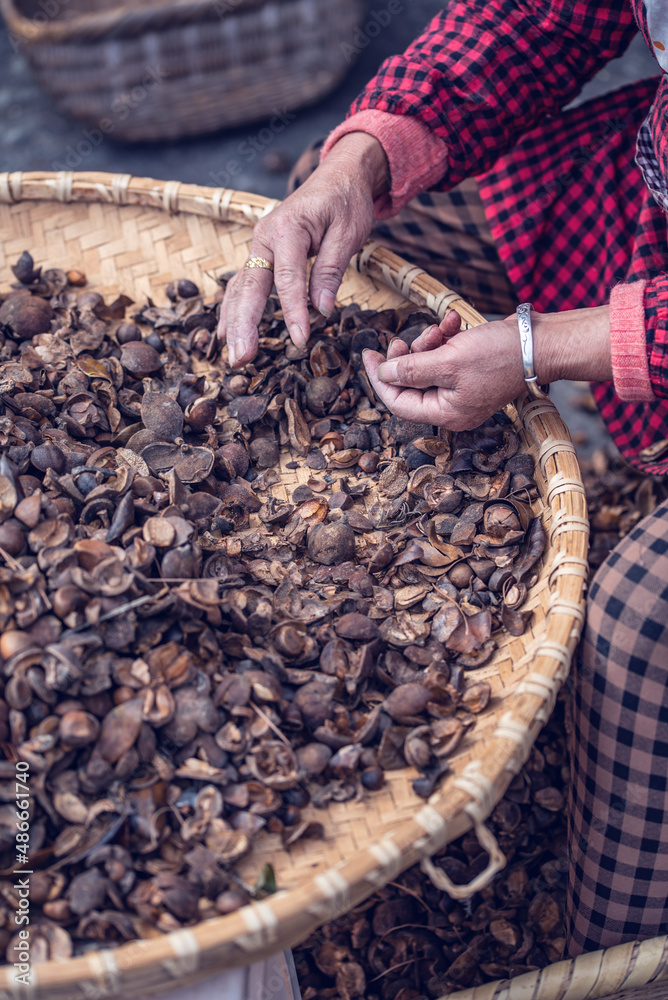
135 235
635 971
163 69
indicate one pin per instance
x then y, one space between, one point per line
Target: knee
625 637
604 606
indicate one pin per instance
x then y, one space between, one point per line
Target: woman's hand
330 215
458 379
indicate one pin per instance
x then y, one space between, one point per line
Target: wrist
572 344
365 155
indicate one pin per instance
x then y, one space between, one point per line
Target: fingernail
230 353
297 335
326 302
388 371
238 351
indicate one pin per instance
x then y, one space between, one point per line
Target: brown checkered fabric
444 232
618 824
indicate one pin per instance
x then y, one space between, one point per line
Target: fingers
241 311
418 371
428 340
396 348
436 336
388 393
328 268
292 250
450 324
431 407
285 243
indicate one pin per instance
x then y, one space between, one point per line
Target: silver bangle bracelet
526 342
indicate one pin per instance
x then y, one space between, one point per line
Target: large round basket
134 235
171 68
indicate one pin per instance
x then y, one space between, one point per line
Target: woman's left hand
457 379
450 378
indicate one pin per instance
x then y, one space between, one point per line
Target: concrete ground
35 136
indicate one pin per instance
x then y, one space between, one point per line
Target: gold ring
259 262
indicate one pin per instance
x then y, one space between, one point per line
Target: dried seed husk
313 651
78 728
192 464
26 315
313 758
344 459
477 657
390 750
405 431
357 627
476 697
404 630
298 431
140 359
445 736
514 595
314 701
159 532
532 550
463 532
162 415
417 751
393 479
200 414
514 621
248 409
331 543
274 764
120 729
406 702
407 597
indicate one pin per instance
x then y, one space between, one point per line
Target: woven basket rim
598 975
281 920
120 20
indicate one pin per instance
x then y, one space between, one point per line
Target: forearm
416 158
362 158
573 344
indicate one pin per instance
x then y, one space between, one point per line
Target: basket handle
496 863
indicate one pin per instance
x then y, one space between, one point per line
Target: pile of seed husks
189 655
410 941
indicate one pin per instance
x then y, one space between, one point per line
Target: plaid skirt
618 808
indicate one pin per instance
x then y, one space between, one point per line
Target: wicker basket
170 68
135 234
636 971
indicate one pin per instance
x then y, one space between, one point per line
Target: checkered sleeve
656 327
484 71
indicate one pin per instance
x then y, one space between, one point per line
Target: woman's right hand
330 216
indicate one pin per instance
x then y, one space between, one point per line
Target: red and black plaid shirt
567 204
